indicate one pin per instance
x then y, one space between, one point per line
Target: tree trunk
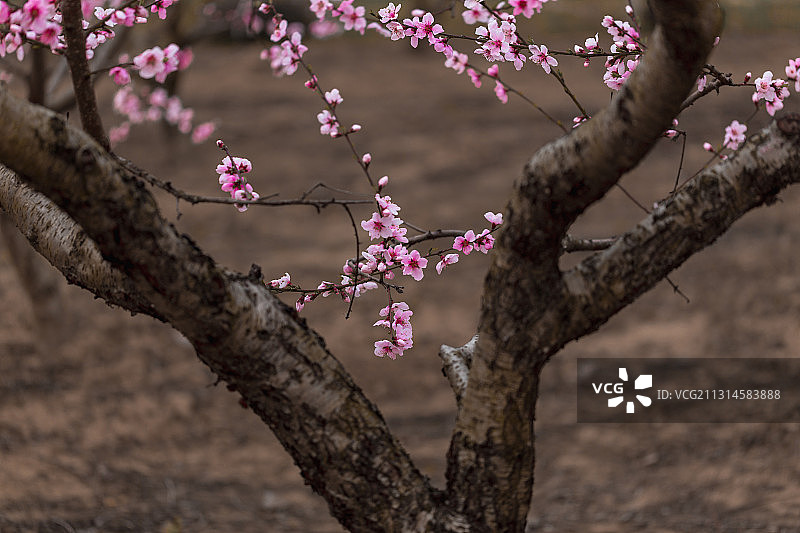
282 369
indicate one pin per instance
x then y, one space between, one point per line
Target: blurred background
119 427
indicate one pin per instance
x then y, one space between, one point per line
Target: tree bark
282 369
251 340
525 311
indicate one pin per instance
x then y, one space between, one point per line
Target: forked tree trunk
281 368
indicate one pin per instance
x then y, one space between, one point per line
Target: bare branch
718 197
81 74
573 244
265 200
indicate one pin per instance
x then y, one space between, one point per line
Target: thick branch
491 459
688 222
256 344
66 246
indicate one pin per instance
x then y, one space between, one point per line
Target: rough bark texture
525 314
256 344
282 369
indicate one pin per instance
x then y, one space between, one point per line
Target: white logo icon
645 381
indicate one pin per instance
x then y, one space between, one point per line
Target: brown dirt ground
120 428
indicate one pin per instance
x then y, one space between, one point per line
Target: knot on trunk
456 363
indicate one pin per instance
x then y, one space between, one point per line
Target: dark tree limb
66 246
491 456
81 74
686 223
251 340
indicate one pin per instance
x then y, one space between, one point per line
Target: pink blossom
386 205
279 32
384 348
765 88
160 7
539 56
320 7
448 259
49 36
475 13
5 12
500 91
426 29
380 227
322 29
389 12
793 72
333 97
397 30
353 17
202 132
413 265
484 242
475 77
773 91
119 133
120 75
457 61
383 182
734 135
150 62
465 244
494 219
282 282
330 126
526 7
35 14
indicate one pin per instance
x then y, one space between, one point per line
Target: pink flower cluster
589 45
285 58
626 39
127 16
397 318
734 135
352 17
772 91
36 20
153 107
231 177
157 63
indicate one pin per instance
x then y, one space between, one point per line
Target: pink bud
383 182
417 12
707 147
366 159
355 127
220 144
716 41
747 77
629 10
